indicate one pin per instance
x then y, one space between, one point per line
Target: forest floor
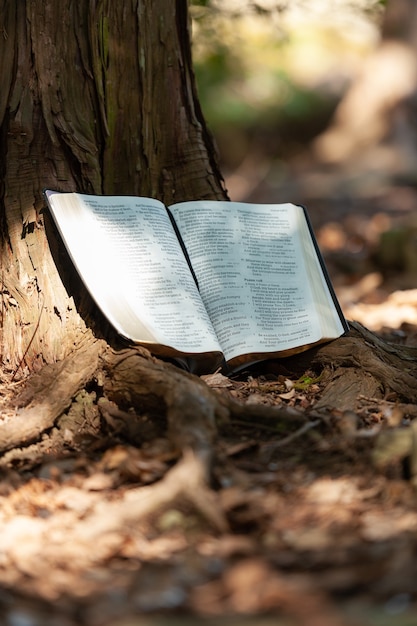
317 533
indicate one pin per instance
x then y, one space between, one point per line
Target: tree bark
96 97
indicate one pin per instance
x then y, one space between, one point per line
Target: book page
250 265
128 255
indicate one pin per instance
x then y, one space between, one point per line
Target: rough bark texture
361 365
97 97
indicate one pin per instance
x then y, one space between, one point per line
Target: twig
268 449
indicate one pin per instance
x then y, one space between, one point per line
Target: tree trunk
97 97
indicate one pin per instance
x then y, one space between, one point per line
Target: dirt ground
314 530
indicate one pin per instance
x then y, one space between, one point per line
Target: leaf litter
307 521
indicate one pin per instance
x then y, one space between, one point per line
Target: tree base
133 395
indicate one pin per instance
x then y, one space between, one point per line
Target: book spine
183 248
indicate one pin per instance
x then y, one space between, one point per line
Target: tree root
362 364
193 411
48 394
139 391
186 480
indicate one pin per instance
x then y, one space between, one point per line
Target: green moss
103 40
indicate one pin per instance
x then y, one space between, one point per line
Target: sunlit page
252 278
128 255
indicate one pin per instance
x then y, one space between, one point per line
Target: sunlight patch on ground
398 308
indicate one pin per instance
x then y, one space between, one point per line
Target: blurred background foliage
271 72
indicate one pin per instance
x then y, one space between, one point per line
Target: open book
217 282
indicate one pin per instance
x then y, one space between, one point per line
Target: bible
216 283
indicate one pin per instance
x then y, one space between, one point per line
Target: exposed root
48 394
186 480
